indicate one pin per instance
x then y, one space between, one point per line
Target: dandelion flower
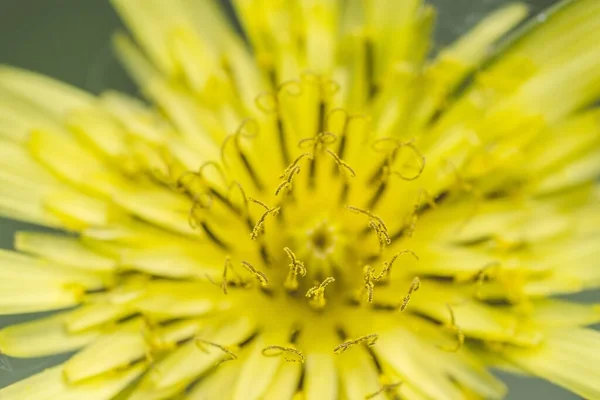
320 212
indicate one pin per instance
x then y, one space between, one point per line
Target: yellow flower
326 213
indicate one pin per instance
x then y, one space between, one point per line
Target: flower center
317 229
322 240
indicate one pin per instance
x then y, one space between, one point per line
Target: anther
276 351
414 286
296 268
369 340
369 282
451 326
376 224
316 294
287 183
341 163
262 278
230 353
387 266
318 142
259 226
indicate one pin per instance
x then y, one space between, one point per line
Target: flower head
325 213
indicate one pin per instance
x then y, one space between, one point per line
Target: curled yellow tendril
316 294
296 268
375 223
369 340
232 356
455 329
276 351
414 286
318 142
259 226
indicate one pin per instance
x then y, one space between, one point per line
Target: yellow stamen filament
369 340
415 214
225 267
317 293
229 352
294 164
259 226
236 184
262 278
414 286
318 142
421 164
369 282
341 163
388 388
276 351
296 268
375 223
287 183
387 266
392 155
452 327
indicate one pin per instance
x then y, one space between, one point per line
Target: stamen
230 353
294 164
341 163
377 224
275 351
259 226
415 214
262 278
388 388
369 284
243 132
266 102
460 337
244 211
392 153
414 286
368 214
225 267
387 266
317 293
369 340
318 142
421 164
382 234
296 268
287 183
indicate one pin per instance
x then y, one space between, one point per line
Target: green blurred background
70 40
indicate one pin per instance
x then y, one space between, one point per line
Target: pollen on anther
275 351
369 340
316 294
414 286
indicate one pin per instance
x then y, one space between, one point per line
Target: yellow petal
42 337
568 357
51 384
